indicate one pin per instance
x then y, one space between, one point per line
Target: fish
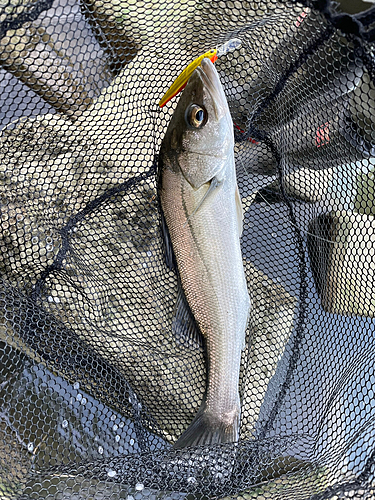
201 222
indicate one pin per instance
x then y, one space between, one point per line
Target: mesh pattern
94 389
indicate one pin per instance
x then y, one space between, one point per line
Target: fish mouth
211 80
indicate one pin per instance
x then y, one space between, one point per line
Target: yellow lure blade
181 81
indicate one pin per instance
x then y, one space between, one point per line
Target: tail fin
205 430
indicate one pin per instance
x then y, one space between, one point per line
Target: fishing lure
181 81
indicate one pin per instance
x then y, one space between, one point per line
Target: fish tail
205 429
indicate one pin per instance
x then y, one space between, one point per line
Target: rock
42 62
119 40
342 256
304 184
270 325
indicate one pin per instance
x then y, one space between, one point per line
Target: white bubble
131 442
115 427
30 447
79 397
76 385
149 253
64 424
191 480
100 450
84 401
129 497
117 438
111 473
49 248
113 417
139 487
144 264
50 298
56 299
121 425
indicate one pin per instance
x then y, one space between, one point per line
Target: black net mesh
94 388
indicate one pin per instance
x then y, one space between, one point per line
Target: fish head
200 134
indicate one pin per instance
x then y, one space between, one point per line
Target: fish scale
202 211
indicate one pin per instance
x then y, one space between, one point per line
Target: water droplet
100 450
30 447
115 427
111 473
84 401
139 487
117 438
79 397
64 424
76 385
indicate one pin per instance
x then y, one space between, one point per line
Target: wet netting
95 388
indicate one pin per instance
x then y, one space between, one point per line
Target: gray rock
270 325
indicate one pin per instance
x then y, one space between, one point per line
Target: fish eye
196 116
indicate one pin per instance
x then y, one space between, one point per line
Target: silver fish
202 224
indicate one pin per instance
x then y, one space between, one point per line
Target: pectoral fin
239 210
214 185
184 327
